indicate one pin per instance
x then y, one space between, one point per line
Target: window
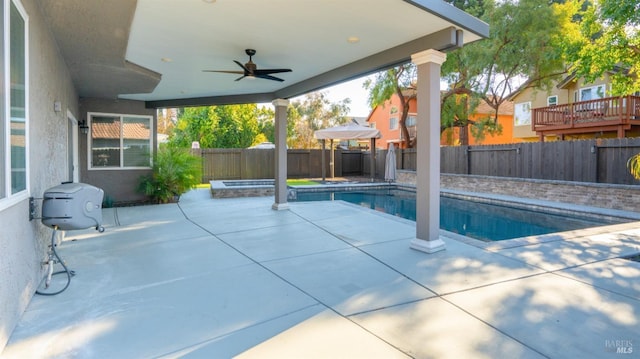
592 93
522 114
411 120
2 106
13 99
552 100
120 141
393 123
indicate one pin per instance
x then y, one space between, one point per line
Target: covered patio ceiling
155 50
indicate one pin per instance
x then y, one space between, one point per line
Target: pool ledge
242 188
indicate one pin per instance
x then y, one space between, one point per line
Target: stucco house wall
50 133
451 136
119 185
23 242
380 117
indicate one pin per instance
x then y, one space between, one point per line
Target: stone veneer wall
612 196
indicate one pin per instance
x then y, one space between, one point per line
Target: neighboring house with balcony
574 109
386 118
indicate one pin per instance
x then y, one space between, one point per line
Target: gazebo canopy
347 132
350 131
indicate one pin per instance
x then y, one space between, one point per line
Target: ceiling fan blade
246 70
269 77
270 71
225 72
250 70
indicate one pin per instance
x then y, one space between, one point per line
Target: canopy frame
347 132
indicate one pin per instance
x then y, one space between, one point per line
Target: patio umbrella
390 164
348 132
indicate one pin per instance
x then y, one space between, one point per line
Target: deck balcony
610 114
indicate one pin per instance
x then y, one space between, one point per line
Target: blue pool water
482 221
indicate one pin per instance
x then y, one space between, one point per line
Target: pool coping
491 198
552 207
266 187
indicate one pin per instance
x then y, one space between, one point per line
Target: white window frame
90 166
525 105
415 119
554 102
595 89
396 123
9 199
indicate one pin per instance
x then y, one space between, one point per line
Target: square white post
428 152
281 154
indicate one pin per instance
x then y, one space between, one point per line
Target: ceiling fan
251 70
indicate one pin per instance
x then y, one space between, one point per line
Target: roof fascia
453 15
212 100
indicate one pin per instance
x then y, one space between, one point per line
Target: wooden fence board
581 161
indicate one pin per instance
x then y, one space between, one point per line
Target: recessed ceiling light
209 1
166 59
353 39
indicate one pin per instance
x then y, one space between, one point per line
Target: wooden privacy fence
236 163
600 161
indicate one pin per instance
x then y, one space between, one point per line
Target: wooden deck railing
606 114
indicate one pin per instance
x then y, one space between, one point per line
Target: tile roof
136 130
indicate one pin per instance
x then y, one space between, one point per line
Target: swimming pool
484 221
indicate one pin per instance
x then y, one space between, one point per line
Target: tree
523 46
607 40
166 120
237 126
266 125
400 81
232 126
313 113
194 124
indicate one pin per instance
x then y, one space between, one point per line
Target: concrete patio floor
228 278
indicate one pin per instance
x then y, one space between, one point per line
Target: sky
353 90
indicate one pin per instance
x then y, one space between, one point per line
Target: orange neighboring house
386 119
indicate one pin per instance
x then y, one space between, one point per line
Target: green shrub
107 201
175 171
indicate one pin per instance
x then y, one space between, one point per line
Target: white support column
281 155
428 152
